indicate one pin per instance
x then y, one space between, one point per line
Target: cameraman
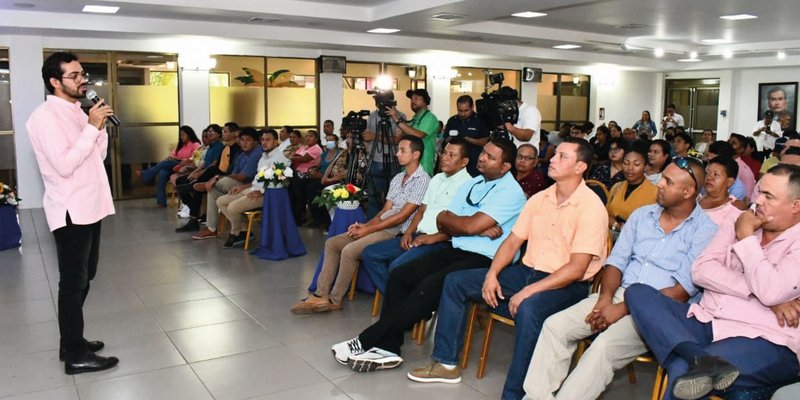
424 125
528 122
467 125
378 175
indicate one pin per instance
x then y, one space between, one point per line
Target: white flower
269 173
6 187
12 202
2 196
288 172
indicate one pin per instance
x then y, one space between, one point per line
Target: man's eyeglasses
77 76
684 164
469 194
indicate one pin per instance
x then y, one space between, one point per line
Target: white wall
194 101
746 87
624 95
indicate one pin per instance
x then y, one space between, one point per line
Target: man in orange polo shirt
566 227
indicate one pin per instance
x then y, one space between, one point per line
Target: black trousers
318 214
413 292
297 196
192 198
77 249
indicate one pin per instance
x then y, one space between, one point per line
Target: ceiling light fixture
411 72
738 17
727 54
781 55
690 60
567 46
715 41
383 30
693 54
100 9
659 52
24 5
528 14
446 16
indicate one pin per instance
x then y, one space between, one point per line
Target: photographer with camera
765 133
381 151
467 125
528 122
424 125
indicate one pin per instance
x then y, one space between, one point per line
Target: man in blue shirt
656 247
244 169
480 217
467 125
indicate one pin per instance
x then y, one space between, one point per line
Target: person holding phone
467 125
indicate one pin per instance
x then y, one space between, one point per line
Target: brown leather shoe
205 234
311 305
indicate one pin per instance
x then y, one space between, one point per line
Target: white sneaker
184 211
342 351
373 360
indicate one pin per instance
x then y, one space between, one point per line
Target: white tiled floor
190 320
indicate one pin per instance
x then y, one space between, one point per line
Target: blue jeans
463 287
663 324
379 259
161 173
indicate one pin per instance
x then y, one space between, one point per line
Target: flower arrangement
335 194
276 175
7 195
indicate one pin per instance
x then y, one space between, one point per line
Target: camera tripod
360 163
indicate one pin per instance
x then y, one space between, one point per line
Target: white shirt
266 160
529 118
765 141
677 120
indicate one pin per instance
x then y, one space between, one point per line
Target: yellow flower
345 194
278 172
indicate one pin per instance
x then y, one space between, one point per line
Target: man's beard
75 93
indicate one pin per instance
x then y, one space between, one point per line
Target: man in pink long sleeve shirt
70 147
744 331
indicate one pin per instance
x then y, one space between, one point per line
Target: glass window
236 91
563 98
473 81
291 92
8 164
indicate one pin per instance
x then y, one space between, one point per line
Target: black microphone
92 95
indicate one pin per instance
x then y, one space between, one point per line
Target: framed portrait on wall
781 99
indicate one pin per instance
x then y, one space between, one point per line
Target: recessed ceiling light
781 55
690 60
738 17
263 20
567 46
727 54
715 41
693 54
24 5
383 30
446 16
528 14
100 9
658 52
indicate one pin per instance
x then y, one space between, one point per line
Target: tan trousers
613 349
220 189
342 256
233 207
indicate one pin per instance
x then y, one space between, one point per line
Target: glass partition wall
361 77
264 91
8 164
563 98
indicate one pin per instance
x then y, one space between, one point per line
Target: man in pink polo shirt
70 147
744 331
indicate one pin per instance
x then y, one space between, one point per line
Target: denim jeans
377 190
463 287
161 173
380 259
663 324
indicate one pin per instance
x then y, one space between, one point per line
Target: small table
279 237
342 219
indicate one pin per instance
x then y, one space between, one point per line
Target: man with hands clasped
656 247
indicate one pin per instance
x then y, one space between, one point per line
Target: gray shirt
372 125
400 193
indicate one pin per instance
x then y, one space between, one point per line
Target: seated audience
546 151
249 196
566 229
187 144
743 333
332 170
600 143
528 176
191 188
749 148
305 163
702 146
629 135
724 149
791 156
717 202
610 172
422 236
243 171
292 142
634 192
683 143
746 176
343 252
615 130
658 157
656 248
479 218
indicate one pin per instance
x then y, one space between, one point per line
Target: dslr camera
354 121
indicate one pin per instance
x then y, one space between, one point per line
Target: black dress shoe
191 226
88 362
93 346
705 374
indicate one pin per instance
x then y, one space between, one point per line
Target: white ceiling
601 27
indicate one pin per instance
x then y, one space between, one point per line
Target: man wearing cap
765 133
424 125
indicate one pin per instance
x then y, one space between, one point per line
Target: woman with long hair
187 144
645 127
610 171
658 157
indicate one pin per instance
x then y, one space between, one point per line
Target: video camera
383 99
500 106
354 121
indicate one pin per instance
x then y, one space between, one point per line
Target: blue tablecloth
279 236
10 234
342 219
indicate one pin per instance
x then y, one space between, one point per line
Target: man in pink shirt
744 331
70 147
